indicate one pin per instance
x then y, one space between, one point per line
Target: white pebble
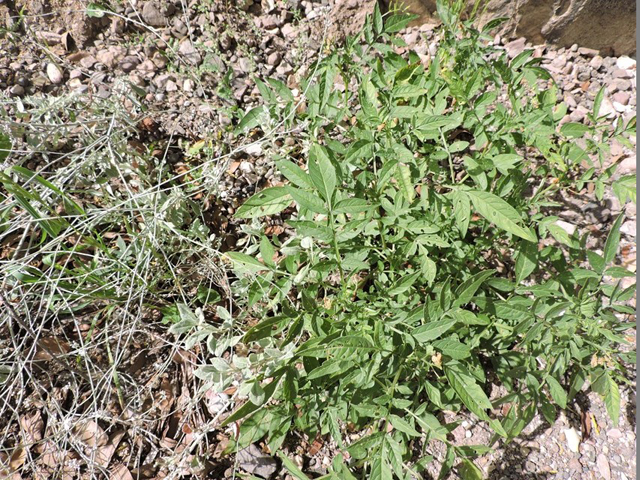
626 63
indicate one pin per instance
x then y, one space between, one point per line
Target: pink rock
614 433
622 97
603 467
627 166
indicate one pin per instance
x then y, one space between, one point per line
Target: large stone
597 24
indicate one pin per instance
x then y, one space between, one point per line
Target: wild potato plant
415 281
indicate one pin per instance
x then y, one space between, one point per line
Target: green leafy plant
414 281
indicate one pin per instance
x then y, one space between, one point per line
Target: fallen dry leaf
48 346
91 434
32 426
315 446
120 472
105 453
585 420
17 458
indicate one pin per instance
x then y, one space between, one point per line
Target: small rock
54 73
579 114
216 402
252 460
274 59
573 441
147 67
74 83
412 38
224 120
161 80
626 63
620 73
190 54
574 464
288 30
621 97
603 467
103 93
152 15
596 62
570 101
269 22
129 63
246 65
607 108
244 5
188 85
559 62
106 57
588 52
629 228
584 75
171 86
254 149
88 61
179 28
620 108
515 47
567 227
17 91
620 85
614 433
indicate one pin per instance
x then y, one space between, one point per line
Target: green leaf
95 10
267 251
377 20
465 292
360 149
352 206
327 368
292 468
574 130
427 266
596 261
453 348
5 147
403 284
432 330
252 119
407 90
612 400
403 426
461 211
295 174
397 22
499 212
322 172
469 471
527 260
613 240
246 261
250 407
380 469
405 73
625 188
505 162
308 200
404 179
558 393
468 390
597 102
266 202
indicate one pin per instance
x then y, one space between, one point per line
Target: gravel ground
194 66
